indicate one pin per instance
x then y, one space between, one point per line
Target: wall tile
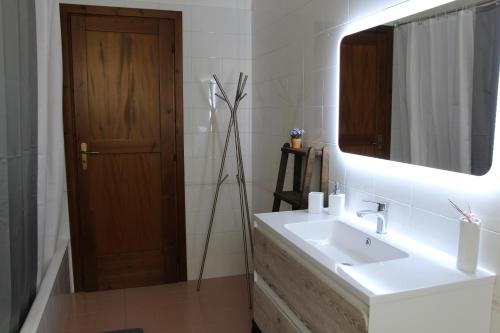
207 44
357 178
337 170
363 8
397 187
329 132
356 199
435 230
313 89
325 49
212 19
313 123
433 198
399 215
330 88
186 44
236 46
485 206
490 243
204 68
332 13
231 69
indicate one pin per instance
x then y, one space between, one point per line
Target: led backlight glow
452 180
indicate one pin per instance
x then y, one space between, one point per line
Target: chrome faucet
381 213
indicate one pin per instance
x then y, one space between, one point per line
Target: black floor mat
130 330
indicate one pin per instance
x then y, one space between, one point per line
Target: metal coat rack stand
240 178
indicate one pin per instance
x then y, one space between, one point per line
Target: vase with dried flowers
468 243
296 135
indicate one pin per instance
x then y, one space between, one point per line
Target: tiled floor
221 306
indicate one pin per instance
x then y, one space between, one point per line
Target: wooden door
365 92
129 174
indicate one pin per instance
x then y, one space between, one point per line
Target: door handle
85 153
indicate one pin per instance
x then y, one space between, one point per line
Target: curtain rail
477 5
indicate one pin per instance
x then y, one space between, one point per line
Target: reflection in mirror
423 90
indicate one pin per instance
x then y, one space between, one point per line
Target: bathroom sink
344 244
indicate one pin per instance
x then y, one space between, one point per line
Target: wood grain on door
366 92
126 111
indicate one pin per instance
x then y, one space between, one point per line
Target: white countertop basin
344 244
391 267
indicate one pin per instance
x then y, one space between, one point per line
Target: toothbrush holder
315 202
468 244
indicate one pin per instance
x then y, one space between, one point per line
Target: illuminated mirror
423 89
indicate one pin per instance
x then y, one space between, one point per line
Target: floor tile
220 306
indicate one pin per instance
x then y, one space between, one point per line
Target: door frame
70 144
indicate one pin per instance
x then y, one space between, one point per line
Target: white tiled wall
220 43
295 54
216 37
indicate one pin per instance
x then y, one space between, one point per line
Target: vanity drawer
268 316
314 302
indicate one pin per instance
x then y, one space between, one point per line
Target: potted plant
469 239
296 135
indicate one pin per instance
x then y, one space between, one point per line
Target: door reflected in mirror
423 89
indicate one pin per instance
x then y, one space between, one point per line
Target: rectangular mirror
423 89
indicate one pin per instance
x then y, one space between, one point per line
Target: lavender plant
296 133
469 215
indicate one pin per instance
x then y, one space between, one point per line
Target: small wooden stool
299 196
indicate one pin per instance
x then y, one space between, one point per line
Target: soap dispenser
336 201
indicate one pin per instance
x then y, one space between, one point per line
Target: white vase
468 245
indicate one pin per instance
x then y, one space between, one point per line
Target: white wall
216 37
295 51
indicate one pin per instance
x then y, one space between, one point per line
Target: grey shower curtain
18 162
432 92
486 68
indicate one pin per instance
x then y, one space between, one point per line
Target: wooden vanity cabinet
317 306
292 295
268 315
